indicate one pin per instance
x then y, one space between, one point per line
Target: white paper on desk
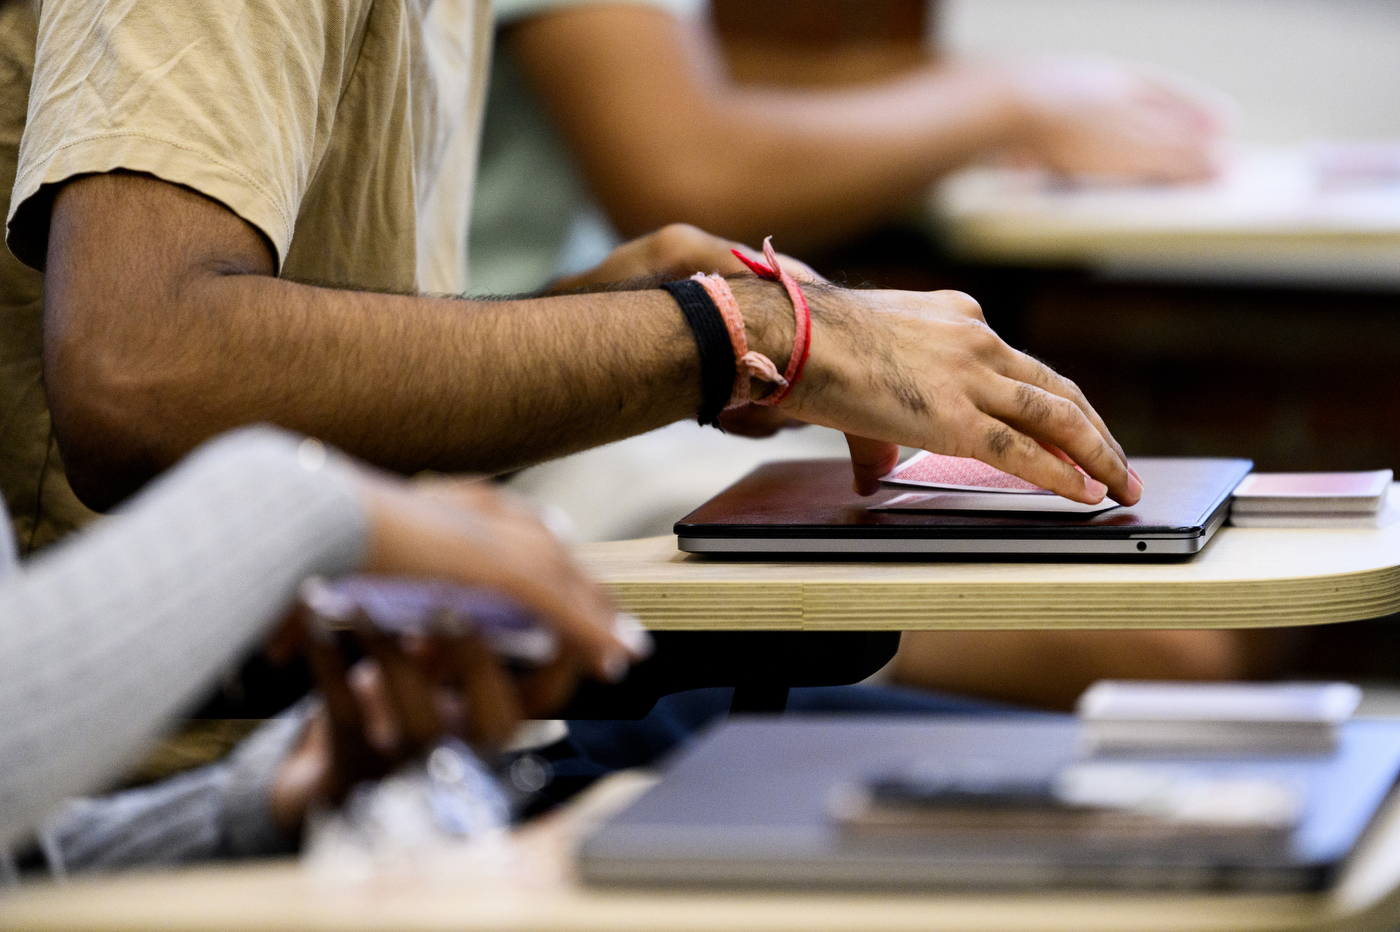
1034 503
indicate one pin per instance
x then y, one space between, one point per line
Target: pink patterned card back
934 470
1314 484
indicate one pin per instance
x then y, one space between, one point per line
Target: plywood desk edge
1244 578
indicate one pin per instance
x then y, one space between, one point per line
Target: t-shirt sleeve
512 11
233 100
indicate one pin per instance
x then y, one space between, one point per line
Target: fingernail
615 666
1134 473
1134 485
1094 488
637 639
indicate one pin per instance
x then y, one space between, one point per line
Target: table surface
1274 216
1243 578
533 890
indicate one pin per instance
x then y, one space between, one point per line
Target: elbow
105 417
129 336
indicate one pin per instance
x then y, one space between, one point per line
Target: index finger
549 582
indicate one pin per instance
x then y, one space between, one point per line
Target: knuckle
676 245
999 440
1068 418
1041 373
1090 452
1026 448
1072 390
673 233
1035 407
962 303
983 340
1099 453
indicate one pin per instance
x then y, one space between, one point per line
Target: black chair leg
758 698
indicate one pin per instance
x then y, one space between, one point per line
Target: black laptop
807 508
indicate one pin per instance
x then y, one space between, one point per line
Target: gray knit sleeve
220 810
104 640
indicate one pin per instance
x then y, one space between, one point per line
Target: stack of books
1314 500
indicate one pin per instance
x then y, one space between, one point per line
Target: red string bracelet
802 335
747 363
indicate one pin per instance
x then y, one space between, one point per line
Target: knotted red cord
747 363
802 335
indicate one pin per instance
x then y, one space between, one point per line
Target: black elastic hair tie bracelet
712 339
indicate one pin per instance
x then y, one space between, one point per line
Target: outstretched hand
1113 121
925 370
896 367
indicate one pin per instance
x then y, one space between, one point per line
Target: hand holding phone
422 608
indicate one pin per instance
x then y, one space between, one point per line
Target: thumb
870 459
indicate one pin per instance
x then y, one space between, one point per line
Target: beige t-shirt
345 130
36 491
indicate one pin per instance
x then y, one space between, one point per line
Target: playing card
935 471
991 502
1333 520
1311 492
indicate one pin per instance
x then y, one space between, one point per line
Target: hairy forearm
407 383
158 344
164 326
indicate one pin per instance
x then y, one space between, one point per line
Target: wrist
1012 118
769 324
839 326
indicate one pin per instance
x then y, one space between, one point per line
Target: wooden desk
537 893
1274 216
1244 578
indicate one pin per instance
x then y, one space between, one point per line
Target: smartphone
407 606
